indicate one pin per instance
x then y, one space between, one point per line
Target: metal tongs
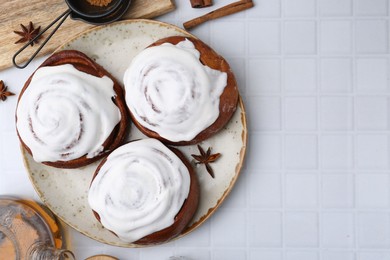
78 10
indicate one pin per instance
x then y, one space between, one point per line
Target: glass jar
28 230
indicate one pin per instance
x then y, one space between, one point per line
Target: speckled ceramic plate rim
242 153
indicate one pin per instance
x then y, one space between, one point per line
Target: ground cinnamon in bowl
99 2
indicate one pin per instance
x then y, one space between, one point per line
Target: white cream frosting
169 91
65 113
139 189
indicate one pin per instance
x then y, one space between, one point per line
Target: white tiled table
314 75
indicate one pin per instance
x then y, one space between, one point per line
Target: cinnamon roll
144 192
71 111
180 91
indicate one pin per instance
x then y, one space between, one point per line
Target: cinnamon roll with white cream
144 192
71 112
180 91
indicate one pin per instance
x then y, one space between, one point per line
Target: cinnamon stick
220 12
201 3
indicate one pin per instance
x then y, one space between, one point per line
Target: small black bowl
83 11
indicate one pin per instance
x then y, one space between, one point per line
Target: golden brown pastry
71 111
180 91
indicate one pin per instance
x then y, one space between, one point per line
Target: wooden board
42 12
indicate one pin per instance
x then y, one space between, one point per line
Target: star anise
28 34
3 91
206 158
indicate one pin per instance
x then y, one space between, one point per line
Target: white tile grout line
388 84
319 141
353 133
311 18
282 126
324 132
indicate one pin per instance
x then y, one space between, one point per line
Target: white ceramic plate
64 191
